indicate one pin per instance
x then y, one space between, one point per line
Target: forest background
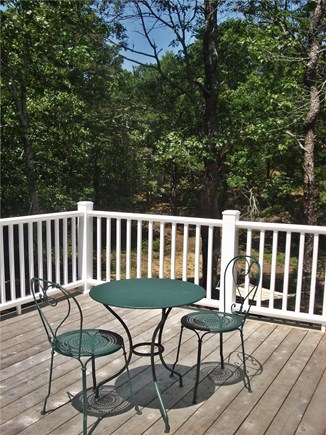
231 116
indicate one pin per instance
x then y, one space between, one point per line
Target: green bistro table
148 293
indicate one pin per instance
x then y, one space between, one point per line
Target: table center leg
158 331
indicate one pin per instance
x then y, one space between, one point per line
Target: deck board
287 367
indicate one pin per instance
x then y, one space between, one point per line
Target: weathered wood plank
181 398
274 396
142 381
69 371
294 407
186 417
269 338
289 391
66 368
314 418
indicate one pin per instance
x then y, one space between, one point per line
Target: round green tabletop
147 293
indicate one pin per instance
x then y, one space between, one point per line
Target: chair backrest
55 305
242 272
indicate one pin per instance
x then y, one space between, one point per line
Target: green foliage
180 161
64 80
131 140
265 113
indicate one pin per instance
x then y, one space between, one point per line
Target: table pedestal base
160 349
156 349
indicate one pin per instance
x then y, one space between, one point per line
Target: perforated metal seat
242 273
94 343
212 321
84 345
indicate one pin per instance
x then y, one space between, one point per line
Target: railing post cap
231 213
85 205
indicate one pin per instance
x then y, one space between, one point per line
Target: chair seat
212 321
95 342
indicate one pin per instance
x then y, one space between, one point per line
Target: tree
183 19
298 29
56 91
16 69
313 89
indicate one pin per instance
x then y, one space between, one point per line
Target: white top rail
294 228
39 217
157 218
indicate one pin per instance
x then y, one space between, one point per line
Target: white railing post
85 244
230 242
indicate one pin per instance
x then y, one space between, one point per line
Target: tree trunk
209 194
310 84
213 183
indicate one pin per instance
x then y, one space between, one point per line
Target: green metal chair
84 345
242 272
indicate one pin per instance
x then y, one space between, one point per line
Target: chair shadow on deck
214 376
211 376
232 373
115 399
110 401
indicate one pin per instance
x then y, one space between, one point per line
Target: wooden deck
287 366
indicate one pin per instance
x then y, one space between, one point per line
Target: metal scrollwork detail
48 300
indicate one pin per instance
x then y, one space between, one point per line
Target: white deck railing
82 248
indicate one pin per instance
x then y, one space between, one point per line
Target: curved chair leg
84 400
178 352
248 386
194 400
95 388
221 351
43 412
